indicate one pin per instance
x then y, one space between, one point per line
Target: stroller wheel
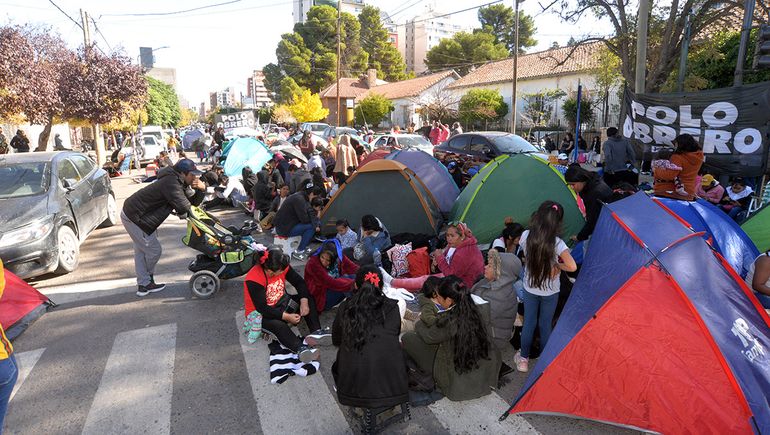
204 284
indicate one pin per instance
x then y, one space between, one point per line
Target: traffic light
762 56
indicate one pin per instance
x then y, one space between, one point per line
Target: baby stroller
225 252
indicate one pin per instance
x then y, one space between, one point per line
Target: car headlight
33 231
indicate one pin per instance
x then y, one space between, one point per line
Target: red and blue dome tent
659 334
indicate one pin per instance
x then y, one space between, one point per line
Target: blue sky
218 47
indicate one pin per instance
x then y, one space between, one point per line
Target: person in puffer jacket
500 272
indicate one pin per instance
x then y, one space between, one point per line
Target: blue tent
246 151
726 236
659 334
432 173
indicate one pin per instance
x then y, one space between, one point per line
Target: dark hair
469 335
342 222
577 174
340 178
612 131
276 259
318 178
544 227
317 202
665 153
512 230
738 180
430 286
370 223
685 143
331 249
363 309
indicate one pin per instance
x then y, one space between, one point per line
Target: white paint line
134 395
298 405
479 416
26 361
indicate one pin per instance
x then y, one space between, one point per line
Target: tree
666 30
162 104
383 56
372 109
464 50
282 115
307 107
539 105
607 77
569 108
482 105
439 104
498 20
189 117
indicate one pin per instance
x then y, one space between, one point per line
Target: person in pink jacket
461 258
710 189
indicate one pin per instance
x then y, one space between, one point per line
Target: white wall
33 132
405 111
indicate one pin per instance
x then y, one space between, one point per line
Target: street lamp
515 63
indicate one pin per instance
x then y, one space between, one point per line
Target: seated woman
737 199
509 238
461 258
501 271
264 290
457 349
374 239
329 275
758 279
370 371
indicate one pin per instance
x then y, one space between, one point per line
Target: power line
66 14
415 3
169 13
100 33
285 2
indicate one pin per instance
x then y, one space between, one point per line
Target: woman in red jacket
461 258
329 275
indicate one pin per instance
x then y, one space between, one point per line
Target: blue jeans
538 312
307 231
334 297
9 371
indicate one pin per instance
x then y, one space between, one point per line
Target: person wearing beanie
593 191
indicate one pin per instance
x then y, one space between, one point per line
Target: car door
100 188
480 148
77 192
458 145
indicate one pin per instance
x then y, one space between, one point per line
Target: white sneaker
522 364
386 277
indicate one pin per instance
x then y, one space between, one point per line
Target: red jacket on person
318 280
467 263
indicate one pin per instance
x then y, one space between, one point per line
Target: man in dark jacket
177 188
593 191
618 154
298 176
297 218
20 142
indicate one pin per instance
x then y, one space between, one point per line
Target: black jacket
262 193
594 193
295 210
299 178
375 376
150 206
211 178
20 144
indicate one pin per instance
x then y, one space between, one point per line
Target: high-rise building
223 98
256 91
424 32
301 7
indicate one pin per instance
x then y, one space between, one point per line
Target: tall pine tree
383 56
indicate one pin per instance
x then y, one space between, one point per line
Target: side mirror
68 183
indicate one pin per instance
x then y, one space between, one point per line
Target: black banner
731 124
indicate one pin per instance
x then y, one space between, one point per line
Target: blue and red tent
659 334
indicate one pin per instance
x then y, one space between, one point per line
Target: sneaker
320 333
320 337
299 256
307 354
142 291
522 364
386 277
154 287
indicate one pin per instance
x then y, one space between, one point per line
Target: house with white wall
554 69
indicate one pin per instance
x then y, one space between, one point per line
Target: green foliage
482 105
372 109
498 20
383 56
569 108
162 105
264 114
463 50
539 105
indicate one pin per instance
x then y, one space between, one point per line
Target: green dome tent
514 185
757 227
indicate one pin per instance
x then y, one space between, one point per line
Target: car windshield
317 128
149 140
413 141
513 144
23 179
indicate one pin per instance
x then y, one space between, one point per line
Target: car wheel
112 212
69 250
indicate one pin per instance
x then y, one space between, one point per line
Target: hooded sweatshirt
466 263
501 297
690 164
617 151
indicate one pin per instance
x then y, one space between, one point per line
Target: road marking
25 361
134 395
278 405
479 415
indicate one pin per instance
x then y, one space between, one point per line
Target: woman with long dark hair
457 349
370 371
545 256
328 275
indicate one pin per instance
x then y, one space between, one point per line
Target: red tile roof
548 63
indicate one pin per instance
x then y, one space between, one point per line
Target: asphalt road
105 361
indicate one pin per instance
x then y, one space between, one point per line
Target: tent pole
577 121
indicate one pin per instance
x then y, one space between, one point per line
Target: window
479 145
83 164
380 142
459 142
67 171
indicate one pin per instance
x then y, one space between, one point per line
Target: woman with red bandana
264 291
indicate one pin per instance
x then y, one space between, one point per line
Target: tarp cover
190 137
757 227
20 305
246 151
432 173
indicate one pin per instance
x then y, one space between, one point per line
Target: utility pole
339 55
515 64
685 50
748 16
641 46
98 141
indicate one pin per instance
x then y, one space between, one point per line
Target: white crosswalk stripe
134 395
26 361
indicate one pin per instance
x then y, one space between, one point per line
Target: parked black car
49 204
483 146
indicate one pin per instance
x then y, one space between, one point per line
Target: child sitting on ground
347 237
429 308
663 170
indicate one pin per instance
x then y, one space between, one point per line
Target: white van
158 132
